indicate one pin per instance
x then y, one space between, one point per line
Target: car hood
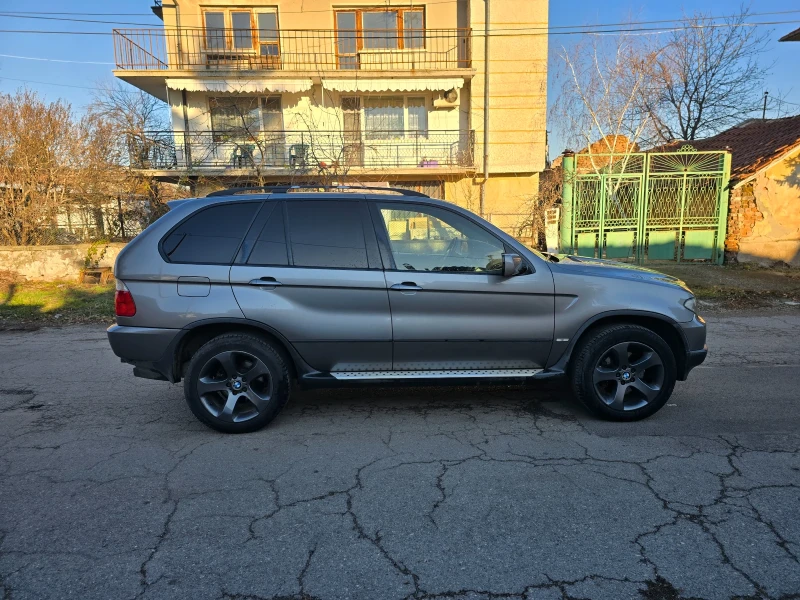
595 267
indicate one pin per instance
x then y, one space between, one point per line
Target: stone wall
51 263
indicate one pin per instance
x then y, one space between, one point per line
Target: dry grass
28 303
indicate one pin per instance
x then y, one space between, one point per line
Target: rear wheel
624 372
236 383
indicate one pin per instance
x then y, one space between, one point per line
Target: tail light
124 306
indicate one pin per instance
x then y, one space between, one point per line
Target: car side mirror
511 264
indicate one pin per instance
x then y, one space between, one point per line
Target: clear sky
784 79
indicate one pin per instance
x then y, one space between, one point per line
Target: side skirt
444 374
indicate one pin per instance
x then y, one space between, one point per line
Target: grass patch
734 287
55 303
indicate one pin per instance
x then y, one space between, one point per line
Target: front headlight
691 304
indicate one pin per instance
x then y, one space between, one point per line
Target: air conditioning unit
449 99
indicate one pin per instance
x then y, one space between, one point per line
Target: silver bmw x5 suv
244 295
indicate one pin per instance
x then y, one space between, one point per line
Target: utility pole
485 107
764 112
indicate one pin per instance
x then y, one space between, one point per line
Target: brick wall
743 214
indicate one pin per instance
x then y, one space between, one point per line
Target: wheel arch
200 332
659 324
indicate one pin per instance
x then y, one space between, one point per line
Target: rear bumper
148 349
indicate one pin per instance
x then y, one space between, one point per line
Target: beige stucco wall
776 236
517 84
51 263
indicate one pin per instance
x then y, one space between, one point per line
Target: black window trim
384 243
172 230
249 243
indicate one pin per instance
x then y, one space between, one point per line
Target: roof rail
283 189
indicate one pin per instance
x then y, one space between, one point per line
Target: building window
378 29
268 40
395 117
245 116
242 29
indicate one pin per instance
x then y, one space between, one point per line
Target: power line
57 60
80 87
551 29
493 33
35 15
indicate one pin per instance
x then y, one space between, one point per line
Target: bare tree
706 78
37 165
129 129
601 83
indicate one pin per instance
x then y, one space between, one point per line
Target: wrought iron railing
302 151
295 50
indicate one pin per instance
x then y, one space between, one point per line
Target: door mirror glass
512 264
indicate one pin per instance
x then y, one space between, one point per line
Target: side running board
448 374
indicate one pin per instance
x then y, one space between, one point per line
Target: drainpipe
485 107
187 148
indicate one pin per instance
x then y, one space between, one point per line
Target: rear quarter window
211 235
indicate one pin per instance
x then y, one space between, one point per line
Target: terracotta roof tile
792 36
753 144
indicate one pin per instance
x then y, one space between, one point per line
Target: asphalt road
110 489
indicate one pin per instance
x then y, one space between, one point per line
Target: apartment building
282 91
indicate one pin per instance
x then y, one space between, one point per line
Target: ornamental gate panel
644 207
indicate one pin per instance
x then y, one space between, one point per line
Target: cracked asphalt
110 489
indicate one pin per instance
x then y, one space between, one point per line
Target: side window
426 238
327 233
210 236
270 247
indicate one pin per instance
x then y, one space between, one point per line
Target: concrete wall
51 263
765 215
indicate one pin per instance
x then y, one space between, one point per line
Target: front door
452 309
311 270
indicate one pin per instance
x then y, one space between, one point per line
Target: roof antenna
764 112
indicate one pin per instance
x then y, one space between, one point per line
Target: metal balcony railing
311 50
302 151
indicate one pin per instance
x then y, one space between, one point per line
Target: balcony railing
303 152
295 50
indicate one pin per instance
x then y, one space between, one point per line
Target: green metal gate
664 206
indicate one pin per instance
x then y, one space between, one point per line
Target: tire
599 379
237 383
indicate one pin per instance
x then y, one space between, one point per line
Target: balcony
301 153
300 50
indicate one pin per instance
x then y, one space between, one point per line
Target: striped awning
234 86
389 84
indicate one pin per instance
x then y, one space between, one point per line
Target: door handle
265 282
406 286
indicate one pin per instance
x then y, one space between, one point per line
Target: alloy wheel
235 386
628 376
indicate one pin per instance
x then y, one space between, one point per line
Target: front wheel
236 383
624 372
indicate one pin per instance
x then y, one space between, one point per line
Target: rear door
451 306
310 268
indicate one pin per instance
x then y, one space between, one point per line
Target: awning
290 86
438 84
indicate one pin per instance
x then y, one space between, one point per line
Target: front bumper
694 334
148 349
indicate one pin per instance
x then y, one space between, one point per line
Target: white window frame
407 134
